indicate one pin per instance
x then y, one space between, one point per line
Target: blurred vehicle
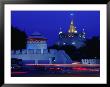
16 64
15 67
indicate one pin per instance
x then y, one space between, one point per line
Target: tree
69 49
90 50
18 39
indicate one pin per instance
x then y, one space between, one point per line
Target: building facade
36 52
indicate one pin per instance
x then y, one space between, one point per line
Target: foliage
18 39
90 50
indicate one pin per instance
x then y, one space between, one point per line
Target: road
59 70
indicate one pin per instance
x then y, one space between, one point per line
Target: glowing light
81 65
69 31
60 32
84 32
71 14
73 42
79 68
64 43
18 72
69 36
76 63
75 31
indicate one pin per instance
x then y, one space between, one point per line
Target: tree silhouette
69 49
90 50
18 39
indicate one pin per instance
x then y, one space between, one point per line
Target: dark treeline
18 39
90 50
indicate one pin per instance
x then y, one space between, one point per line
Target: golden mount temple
72 37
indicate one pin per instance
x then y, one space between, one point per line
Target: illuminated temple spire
72 28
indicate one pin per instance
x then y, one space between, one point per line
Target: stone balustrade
29 51
90 61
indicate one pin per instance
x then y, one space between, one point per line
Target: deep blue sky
49 22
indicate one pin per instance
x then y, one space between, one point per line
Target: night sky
48 23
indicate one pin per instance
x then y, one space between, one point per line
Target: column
36 61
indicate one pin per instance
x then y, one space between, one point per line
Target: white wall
60 56
36 46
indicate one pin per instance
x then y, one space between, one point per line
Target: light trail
66 65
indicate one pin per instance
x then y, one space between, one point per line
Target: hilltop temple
36 52
72 37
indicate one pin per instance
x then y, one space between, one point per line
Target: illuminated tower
72 37
72 28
